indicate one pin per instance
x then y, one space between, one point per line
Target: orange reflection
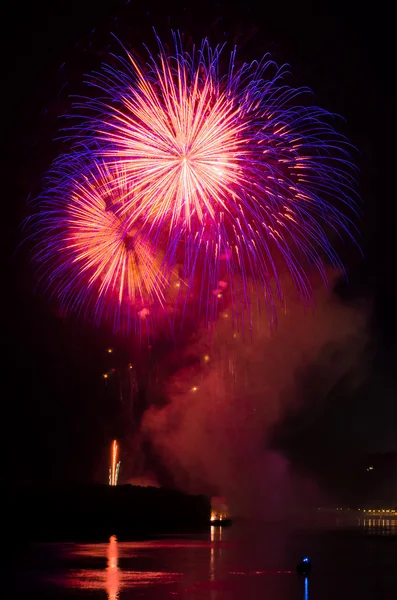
212 555
215 556
113 576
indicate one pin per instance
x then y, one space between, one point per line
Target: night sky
57 419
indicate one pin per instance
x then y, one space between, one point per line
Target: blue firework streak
226 173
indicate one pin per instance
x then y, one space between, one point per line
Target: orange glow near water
113 576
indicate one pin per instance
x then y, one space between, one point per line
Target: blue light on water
306 589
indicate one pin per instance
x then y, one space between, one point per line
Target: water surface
243 562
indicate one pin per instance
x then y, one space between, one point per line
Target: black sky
51 406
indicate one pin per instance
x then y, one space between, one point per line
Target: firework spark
96 261
223 172
114 464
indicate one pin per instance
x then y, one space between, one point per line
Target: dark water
243 562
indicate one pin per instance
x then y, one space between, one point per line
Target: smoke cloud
224 404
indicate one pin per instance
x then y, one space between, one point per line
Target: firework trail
114 464
219 173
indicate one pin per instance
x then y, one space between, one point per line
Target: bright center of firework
180 142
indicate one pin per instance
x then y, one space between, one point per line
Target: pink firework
219 175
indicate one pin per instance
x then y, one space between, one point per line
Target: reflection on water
379 526
216 536
237 563
113 576
306 589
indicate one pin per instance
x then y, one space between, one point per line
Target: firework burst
223 172
90 257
